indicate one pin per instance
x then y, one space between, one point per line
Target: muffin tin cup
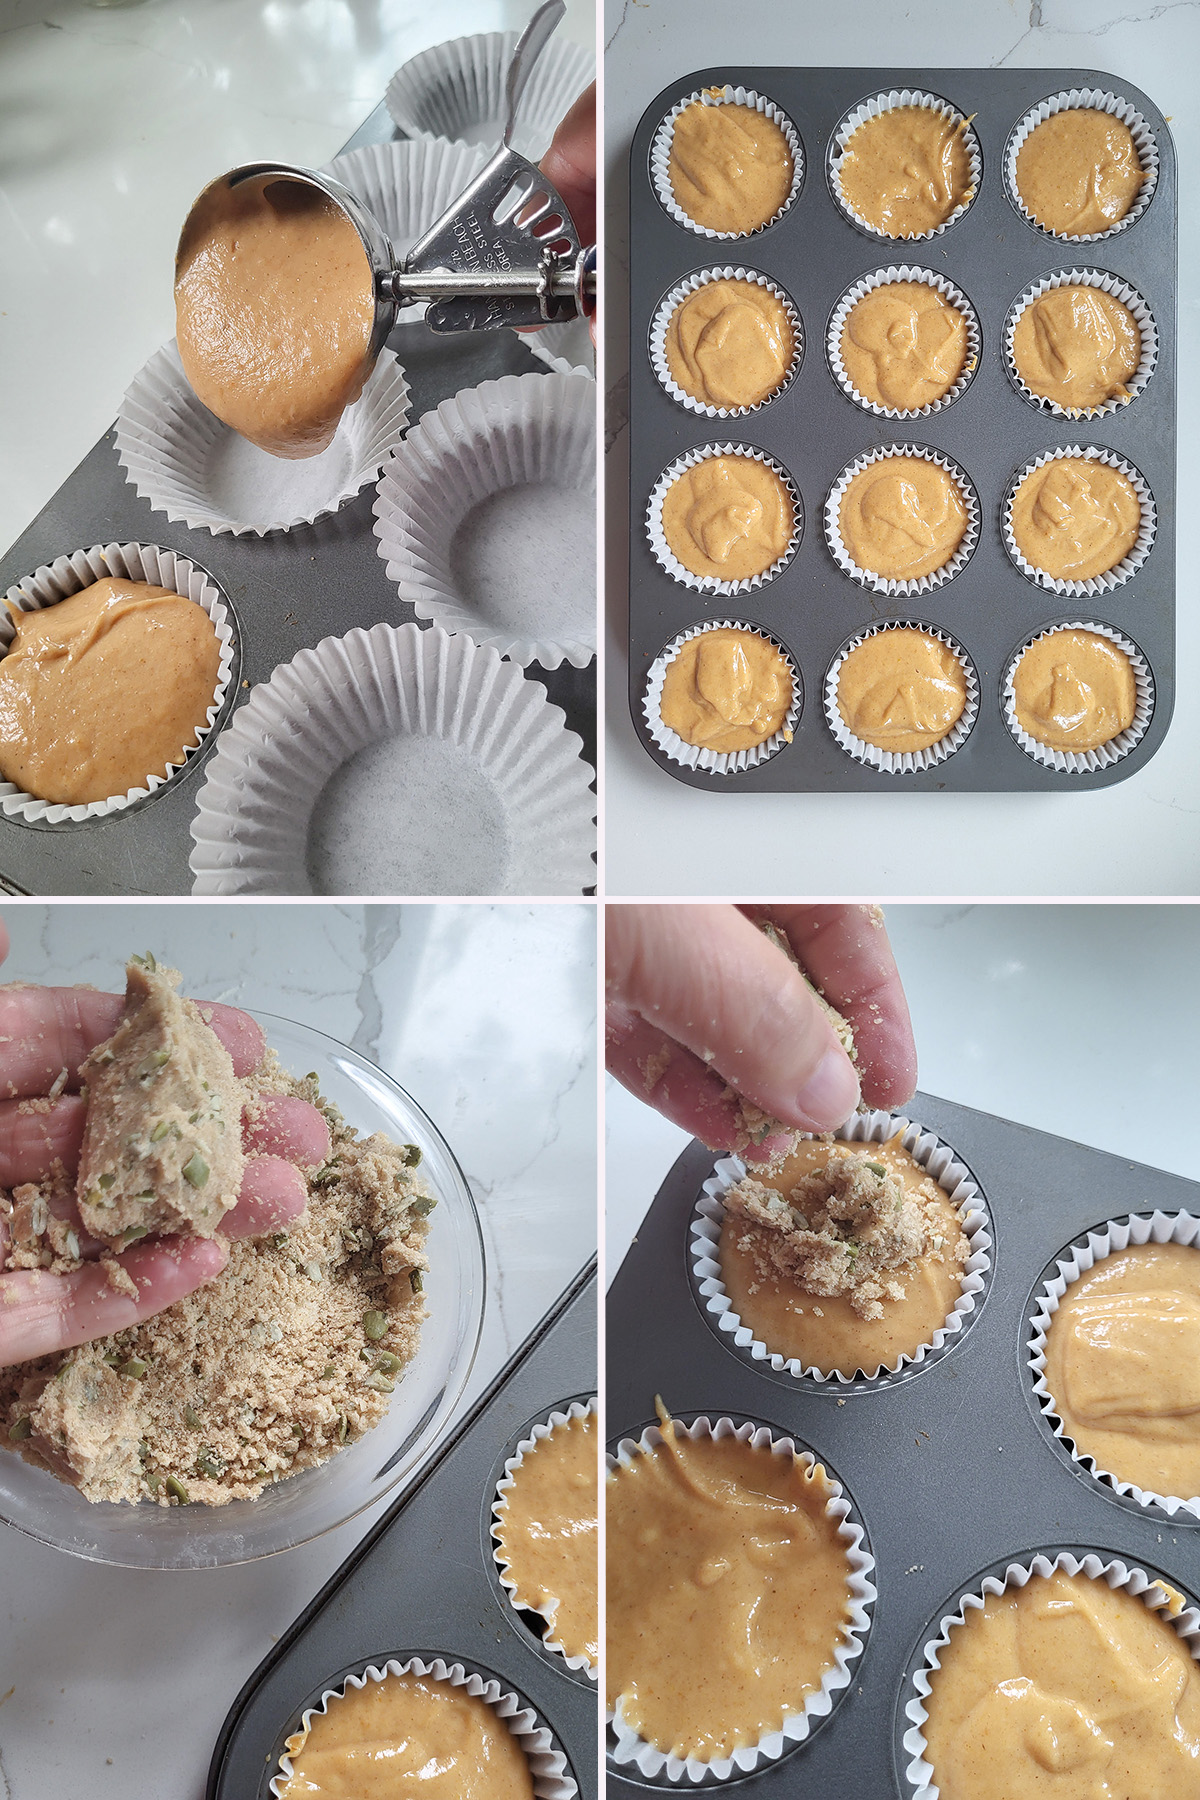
656 1765
1108 284
885 278
1090 99
693 284
1076 1260
67 575
709 584
1078 762
187 464
1108 578
937 1159
692 756
554 1422
873 109
547 1764
456 90
896 762
920 1776
886 584
660 155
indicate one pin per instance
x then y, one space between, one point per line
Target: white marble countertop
1077 1020
114 1682
1141 836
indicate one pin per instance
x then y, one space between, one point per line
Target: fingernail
830 1094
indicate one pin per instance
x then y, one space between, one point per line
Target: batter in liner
904 345
730 166
1074 690
1075 517
901 690
548 1531
728 518
906 170
1078 347
726 690
729 344
1078 172
902 517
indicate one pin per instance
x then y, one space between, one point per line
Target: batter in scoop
902 517
274 307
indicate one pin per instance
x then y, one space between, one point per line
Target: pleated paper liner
675 298
200 473
563 346
642 1760
710 584
693 756
1106 283
901 762
396 761
135 562
886 584
486 514
938 1160
546 1428
885 278
1074 1261
456 90
547 1764
920 1776
1080 762
1091 99
873 108
660 155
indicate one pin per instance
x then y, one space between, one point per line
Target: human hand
699 1001
44 1031
570 163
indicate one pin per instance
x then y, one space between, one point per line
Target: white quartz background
114 1682
1141 836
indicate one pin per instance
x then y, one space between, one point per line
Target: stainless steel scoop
506 251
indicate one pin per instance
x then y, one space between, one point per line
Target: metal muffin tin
954 1468
992 253
423 1581
285 591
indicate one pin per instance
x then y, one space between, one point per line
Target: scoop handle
530 44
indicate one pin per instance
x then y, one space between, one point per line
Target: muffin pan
992 254
953 1466
287 591
424 1582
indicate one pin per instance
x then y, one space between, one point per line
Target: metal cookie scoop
505 252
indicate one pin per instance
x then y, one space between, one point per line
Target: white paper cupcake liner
200 473
871 109
456 90
547 1764
66 575
652 1763
563 346
919 1772
1076 1260
1080 762
1069 100
1109 284
554 1421
936 1158
407 187
886 584
708 584
901 762
692 756
660 155
1110 578
470 783
482 513
692 285
884 278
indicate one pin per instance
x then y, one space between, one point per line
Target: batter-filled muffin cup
939 1162
572 1625
1097 530
536 1764
941 677
1114 167
155 567
724 507
769 147
848 1607
1119 1365
1109 673
994 1748
902 518
1080 344
931 365
726 341
905 164
733 693
455 90
201 473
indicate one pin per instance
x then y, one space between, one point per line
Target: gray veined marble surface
114 1682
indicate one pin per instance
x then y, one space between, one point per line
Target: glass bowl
147 1536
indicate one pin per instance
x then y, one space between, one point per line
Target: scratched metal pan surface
992 254
952 1470
287 591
